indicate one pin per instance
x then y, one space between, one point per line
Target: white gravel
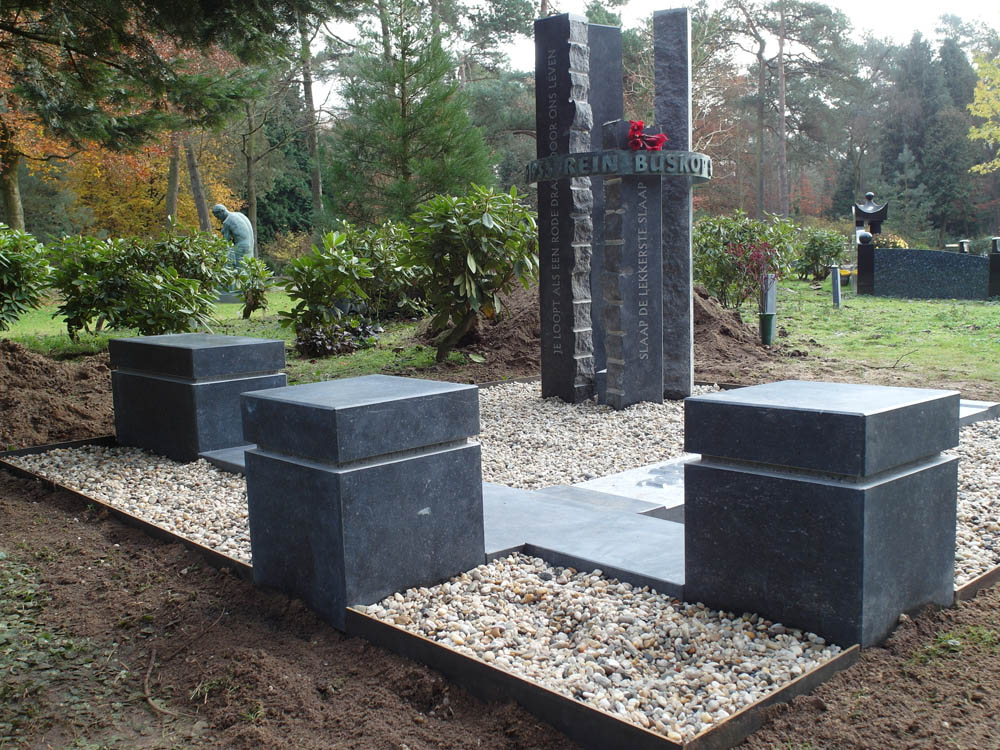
675 668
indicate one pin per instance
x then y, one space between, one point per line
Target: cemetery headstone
362 487
577 229
179 394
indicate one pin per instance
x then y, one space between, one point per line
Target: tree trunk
173 178
383 19
10 188
761 83
783 192
450 339
197 187
251 156
312 136
543 11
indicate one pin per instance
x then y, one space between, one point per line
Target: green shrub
325 284
349 335
24 274
253 279
471 249
393 289
716 265
164 285
820 248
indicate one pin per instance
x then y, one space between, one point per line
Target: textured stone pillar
632 304
672 64
606 101
565 229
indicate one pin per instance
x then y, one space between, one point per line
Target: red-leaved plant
755 261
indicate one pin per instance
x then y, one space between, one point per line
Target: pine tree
407 135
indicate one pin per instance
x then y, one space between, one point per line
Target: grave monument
614 224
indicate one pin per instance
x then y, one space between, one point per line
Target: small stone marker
827 506
362 487
179 394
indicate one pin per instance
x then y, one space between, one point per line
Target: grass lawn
947 338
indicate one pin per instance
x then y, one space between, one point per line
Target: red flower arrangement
640 142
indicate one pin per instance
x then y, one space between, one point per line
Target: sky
895 19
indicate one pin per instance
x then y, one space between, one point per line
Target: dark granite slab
672 101
930 274
839 558
359 418
642 550
197 356
838 428
338 537
179 418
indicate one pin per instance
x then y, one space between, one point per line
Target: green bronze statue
237 229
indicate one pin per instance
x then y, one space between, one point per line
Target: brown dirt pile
45 401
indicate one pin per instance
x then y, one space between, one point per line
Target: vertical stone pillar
994 257
565 229
672 65
631 284
866 263
179 394
606 102
362 487
827 506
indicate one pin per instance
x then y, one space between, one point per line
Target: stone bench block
179 395
840 428
363 487
838 558
357 418
197 356
827 506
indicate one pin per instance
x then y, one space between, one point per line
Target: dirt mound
725 348
46 401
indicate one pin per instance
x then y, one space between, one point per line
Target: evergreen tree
407 135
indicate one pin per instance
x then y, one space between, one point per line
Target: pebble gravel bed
977 544
532 443
674 668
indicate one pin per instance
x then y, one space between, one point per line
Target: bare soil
109 638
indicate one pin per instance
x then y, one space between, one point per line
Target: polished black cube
827 506
363 487
178 395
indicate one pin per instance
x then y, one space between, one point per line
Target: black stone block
839 428
994 290
342 536
839 558
866 269
180 419
930 274
360 418
179 394
197 356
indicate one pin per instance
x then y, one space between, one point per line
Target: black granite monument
593 314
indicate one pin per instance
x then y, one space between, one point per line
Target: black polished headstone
631 284
994 285
672 64
606 102
564 122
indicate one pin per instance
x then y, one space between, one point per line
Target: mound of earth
47 401
725 348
